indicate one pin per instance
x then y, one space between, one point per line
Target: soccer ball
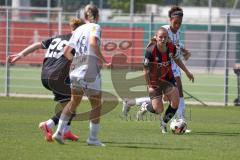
178 126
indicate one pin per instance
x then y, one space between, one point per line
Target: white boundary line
120 100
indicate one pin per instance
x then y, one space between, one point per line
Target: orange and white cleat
70 136
47 132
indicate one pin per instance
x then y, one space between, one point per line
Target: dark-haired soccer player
54 76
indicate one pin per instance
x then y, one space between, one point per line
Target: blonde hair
161 29
75 22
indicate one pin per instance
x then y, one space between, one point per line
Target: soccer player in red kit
159 76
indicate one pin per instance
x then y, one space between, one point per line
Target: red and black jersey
159 64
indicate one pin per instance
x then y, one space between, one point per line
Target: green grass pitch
207 87
215 135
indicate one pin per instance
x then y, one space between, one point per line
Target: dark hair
91 12
175 11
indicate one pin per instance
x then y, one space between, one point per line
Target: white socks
139 101
181 109
93 130
50 123
62 123
66 129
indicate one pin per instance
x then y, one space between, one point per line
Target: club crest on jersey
94 29
156 58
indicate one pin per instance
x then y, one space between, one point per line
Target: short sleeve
46 43
148 58
96 31
73 40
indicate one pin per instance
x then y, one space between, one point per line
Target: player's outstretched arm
184 68
97 50
186 54
30 49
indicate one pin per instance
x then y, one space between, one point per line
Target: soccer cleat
142 111
70 136
126 107
57 136
47 132
95 142
164 127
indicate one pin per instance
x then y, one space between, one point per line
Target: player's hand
14 58
186 54
190 76
108 65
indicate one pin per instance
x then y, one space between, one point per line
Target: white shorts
176 70
91 87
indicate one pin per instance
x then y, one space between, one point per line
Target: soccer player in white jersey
85 74
175 14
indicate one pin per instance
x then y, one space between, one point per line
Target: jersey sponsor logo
83 45
55 50
163 64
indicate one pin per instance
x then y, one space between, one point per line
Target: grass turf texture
215 135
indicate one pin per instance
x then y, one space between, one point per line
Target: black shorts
55 77
59 87
162 87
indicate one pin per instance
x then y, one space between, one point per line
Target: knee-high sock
170 112
93 130
64 119
139 101
181 109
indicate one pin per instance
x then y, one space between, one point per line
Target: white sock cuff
94 129
182 102
94 126
139 101
66 128
64 117
50 123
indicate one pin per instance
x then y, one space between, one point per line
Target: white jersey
175 38
85 61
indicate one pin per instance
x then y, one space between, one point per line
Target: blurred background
210 30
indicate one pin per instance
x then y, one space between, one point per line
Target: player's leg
47 126
128 103
94 123
67 113
54 120
173 97
181 108
62 94
94 94
155 105
177 75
